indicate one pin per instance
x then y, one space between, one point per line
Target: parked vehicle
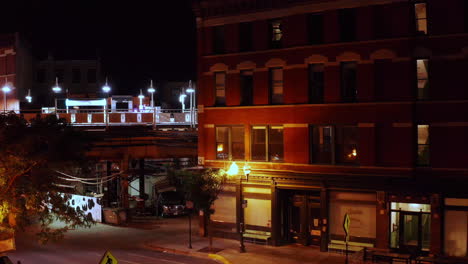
171 203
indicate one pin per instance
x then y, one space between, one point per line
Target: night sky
136 40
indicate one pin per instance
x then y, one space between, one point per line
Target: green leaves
29 153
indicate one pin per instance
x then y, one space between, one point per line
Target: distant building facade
339 107
78 78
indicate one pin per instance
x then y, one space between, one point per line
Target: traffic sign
346 223
108 259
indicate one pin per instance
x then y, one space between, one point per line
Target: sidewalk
172 237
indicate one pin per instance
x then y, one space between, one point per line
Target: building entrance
410 227
300 217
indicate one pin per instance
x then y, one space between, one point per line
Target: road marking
161 259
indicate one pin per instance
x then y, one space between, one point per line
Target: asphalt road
87 246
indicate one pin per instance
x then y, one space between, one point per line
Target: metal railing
118 117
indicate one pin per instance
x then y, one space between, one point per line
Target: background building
338 107
78 78
15 69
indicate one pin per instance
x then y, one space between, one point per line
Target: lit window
423 145
220 82
230 143
423 78
276 33
276 86
421 18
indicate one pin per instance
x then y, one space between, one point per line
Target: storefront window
412 207
456 233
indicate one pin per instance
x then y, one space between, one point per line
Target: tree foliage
30 191
201 187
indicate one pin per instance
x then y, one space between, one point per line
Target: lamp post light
233 171
5 89
191 91
141 96
56 89
182 101
151 90
106 89
29 97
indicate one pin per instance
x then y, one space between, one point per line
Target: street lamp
191 91
182 101
233 171
106 89
5 89
56 89
29 97
151 90
141 96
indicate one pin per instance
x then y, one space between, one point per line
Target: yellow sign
346 223
108 259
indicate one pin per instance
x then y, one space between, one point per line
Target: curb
210 256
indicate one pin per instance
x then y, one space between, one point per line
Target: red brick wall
331 27
233 89
296 145
261 86
295 30
232 37
295 86
260 38
332 91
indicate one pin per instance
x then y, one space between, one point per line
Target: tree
202 188
30 190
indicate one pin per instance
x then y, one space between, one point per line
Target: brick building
355 107
15 69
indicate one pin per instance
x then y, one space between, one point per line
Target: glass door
409 230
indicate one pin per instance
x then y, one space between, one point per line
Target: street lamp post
56 89
29 97
5 89
182 101
234 170
141 96
191 91
106 89
151 90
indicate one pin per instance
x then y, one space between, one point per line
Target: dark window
322 141
423 145
276 34
379 22
59 74
230 143
421 18
316 83
41 76
76 76
276 86
465 14
246 82
121 106
218 40
245 37
267 143
348 81
220 86
92 76
334 144
422 66
315 28
347 21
